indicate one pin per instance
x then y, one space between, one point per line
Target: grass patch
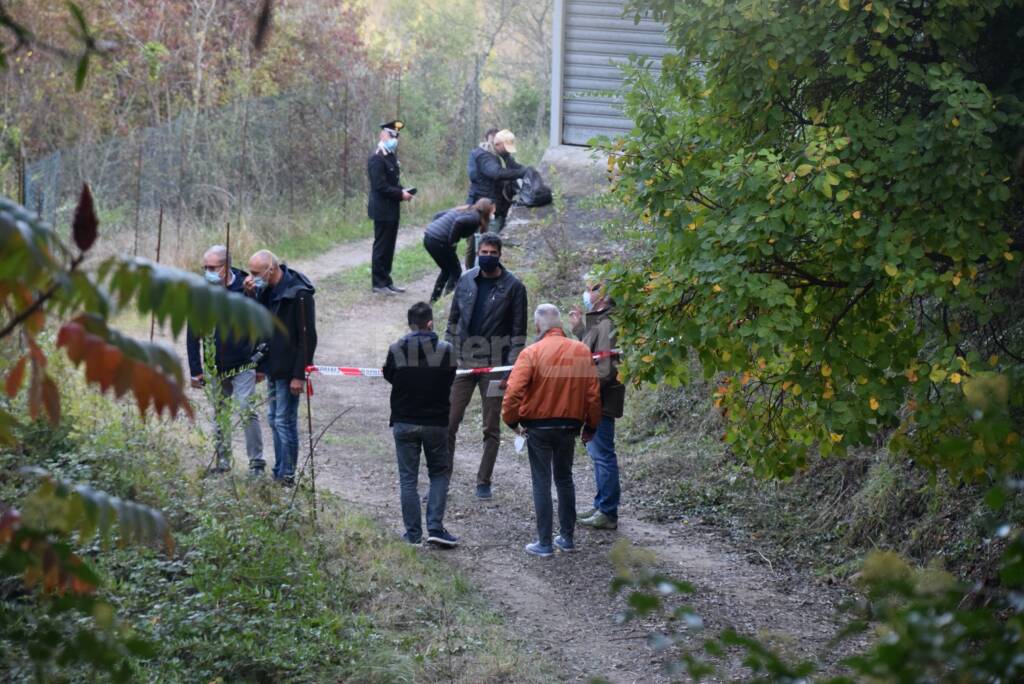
249 595
350 285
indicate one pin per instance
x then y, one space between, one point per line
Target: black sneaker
483 492
412 540
397 290
287 481
442 537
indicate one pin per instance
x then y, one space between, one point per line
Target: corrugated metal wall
596 38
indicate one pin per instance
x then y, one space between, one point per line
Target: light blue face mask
212 277
588 301
259 283
391 144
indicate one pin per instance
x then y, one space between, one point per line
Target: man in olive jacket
597 332
487 326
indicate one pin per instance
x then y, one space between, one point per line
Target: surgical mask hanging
489 262
212 277
588 301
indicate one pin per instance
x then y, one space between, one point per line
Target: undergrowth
251 592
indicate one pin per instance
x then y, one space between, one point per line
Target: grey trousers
238 391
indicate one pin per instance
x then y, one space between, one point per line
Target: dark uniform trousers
385 233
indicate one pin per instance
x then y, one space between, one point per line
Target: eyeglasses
209 268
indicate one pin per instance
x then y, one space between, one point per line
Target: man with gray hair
288 295
552 394
229 362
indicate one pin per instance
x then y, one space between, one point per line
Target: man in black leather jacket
487 326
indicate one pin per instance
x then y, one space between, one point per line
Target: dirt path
561 606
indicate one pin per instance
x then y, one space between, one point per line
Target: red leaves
15 377
85 227
109 367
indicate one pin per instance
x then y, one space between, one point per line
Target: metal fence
268 156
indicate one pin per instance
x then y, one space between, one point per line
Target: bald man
234 375
288 295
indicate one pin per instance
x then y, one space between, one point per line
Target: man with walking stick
288 295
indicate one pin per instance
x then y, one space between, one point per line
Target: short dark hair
490 132
420 314
490 239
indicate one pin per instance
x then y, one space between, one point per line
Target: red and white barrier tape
353 372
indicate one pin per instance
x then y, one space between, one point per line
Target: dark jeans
461 395
385 233
433 440
551 454
447 259
283 418
606 468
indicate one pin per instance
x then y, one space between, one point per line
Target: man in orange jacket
553 393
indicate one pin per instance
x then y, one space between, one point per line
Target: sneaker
483 491
288 481
538 549
383 291
256 472
412 540
395 289
600 521
442 537
590 512
564 545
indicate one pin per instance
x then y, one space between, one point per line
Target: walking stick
309 405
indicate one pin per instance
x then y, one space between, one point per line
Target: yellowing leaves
873 403
844 5
716 288
956 378
826 370
835 437
804 169
891 270
1008 256
773 64
856 215
647 358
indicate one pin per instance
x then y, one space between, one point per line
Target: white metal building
591 37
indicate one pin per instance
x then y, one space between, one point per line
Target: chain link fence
243 164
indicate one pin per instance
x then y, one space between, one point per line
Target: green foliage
39 273
830 209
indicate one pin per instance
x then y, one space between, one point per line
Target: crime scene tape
353 372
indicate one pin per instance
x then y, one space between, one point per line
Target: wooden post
159 243
344 150
227 244
22 177
309 405
138 195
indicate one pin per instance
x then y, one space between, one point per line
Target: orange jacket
553 378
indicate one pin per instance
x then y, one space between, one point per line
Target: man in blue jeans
595 329
421 369
289 296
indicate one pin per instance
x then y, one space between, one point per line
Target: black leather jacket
503 328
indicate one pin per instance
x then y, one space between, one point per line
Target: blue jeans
433 440
606 468
551 454
283 418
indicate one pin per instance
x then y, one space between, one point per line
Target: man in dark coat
235 374
421 369
288 295
384 205
487 325
491 165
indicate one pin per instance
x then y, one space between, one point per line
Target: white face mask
588 302
212 277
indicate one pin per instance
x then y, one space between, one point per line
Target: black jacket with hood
285 359
229 353
503 325
488 171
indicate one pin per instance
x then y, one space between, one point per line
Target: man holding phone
384 205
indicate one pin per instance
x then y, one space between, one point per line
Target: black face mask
489 263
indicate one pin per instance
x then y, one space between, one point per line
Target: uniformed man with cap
384 205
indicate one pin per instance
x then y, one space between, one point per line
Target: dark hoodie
230 354
285 359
